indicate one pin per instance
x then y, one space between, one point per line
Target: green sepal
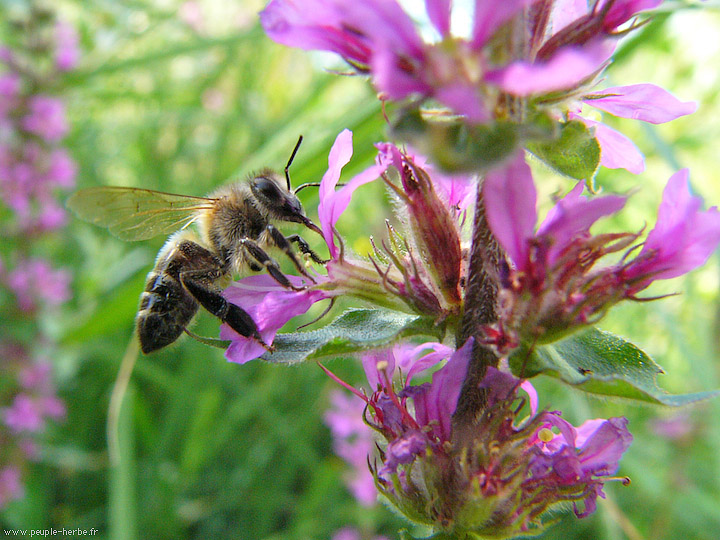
575 153
600 363
354 331
456 146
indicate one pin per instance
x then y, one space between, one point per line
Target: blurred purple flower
349 533
354 442
10 486
67 50
380 38
46 118
35 282
29 412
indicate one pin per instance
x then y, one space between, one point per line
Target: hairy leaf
354 331
601 363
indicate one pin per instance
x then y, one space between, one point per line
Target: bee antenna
292 157
314 184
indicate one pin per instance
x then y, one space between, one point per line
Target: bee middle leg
195 281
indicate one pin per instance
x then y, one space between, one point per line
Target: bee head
272 197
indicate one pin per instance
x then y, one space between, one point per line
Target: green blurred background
181 97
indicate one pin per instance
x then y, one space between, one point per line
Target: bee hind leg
234 316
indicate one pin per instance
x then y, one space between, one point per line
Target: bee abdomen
166 309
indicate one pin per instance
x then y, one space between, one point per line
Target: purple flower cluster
511 472
560 48
34 168
493 471
33 164
553 284
548 287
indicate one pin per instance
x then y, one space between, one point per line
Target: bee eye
267 188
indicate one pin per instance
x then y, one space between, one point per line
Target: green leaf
354 331
600 363
576 153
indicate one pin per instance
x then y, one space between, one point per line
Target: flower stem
480 301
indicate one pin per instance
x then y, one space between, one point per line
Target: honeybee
234 225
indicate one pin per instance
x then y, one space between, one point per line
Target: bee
235 226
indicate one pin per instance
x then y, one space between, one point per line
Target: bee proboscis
235 226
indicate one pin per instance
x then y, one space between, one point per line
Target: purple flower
28 413
67 51
270 305
46 118
510 199
554 284
333 203
354 442
379 37
580 455
683 238
436 403
10 486
34 281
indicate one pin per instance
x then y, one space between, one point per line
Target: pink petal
573 215
510 197
333 203
622 10
340 155
270 305
645 102
491 15
532 396
412 364
393 81
463 99
616 150
565 12
684 236
566 69
439 14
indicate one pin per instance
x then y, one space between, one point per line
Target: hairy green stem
480 302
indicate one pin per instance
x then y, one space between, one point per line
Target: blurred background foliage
182 97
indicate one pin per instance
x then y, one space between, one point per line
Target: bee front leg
305 248
279 240
236 318
264 260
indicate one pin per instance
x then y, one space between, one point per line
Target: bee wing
134 213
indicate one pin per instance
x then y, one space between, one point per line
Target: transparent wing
134 213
